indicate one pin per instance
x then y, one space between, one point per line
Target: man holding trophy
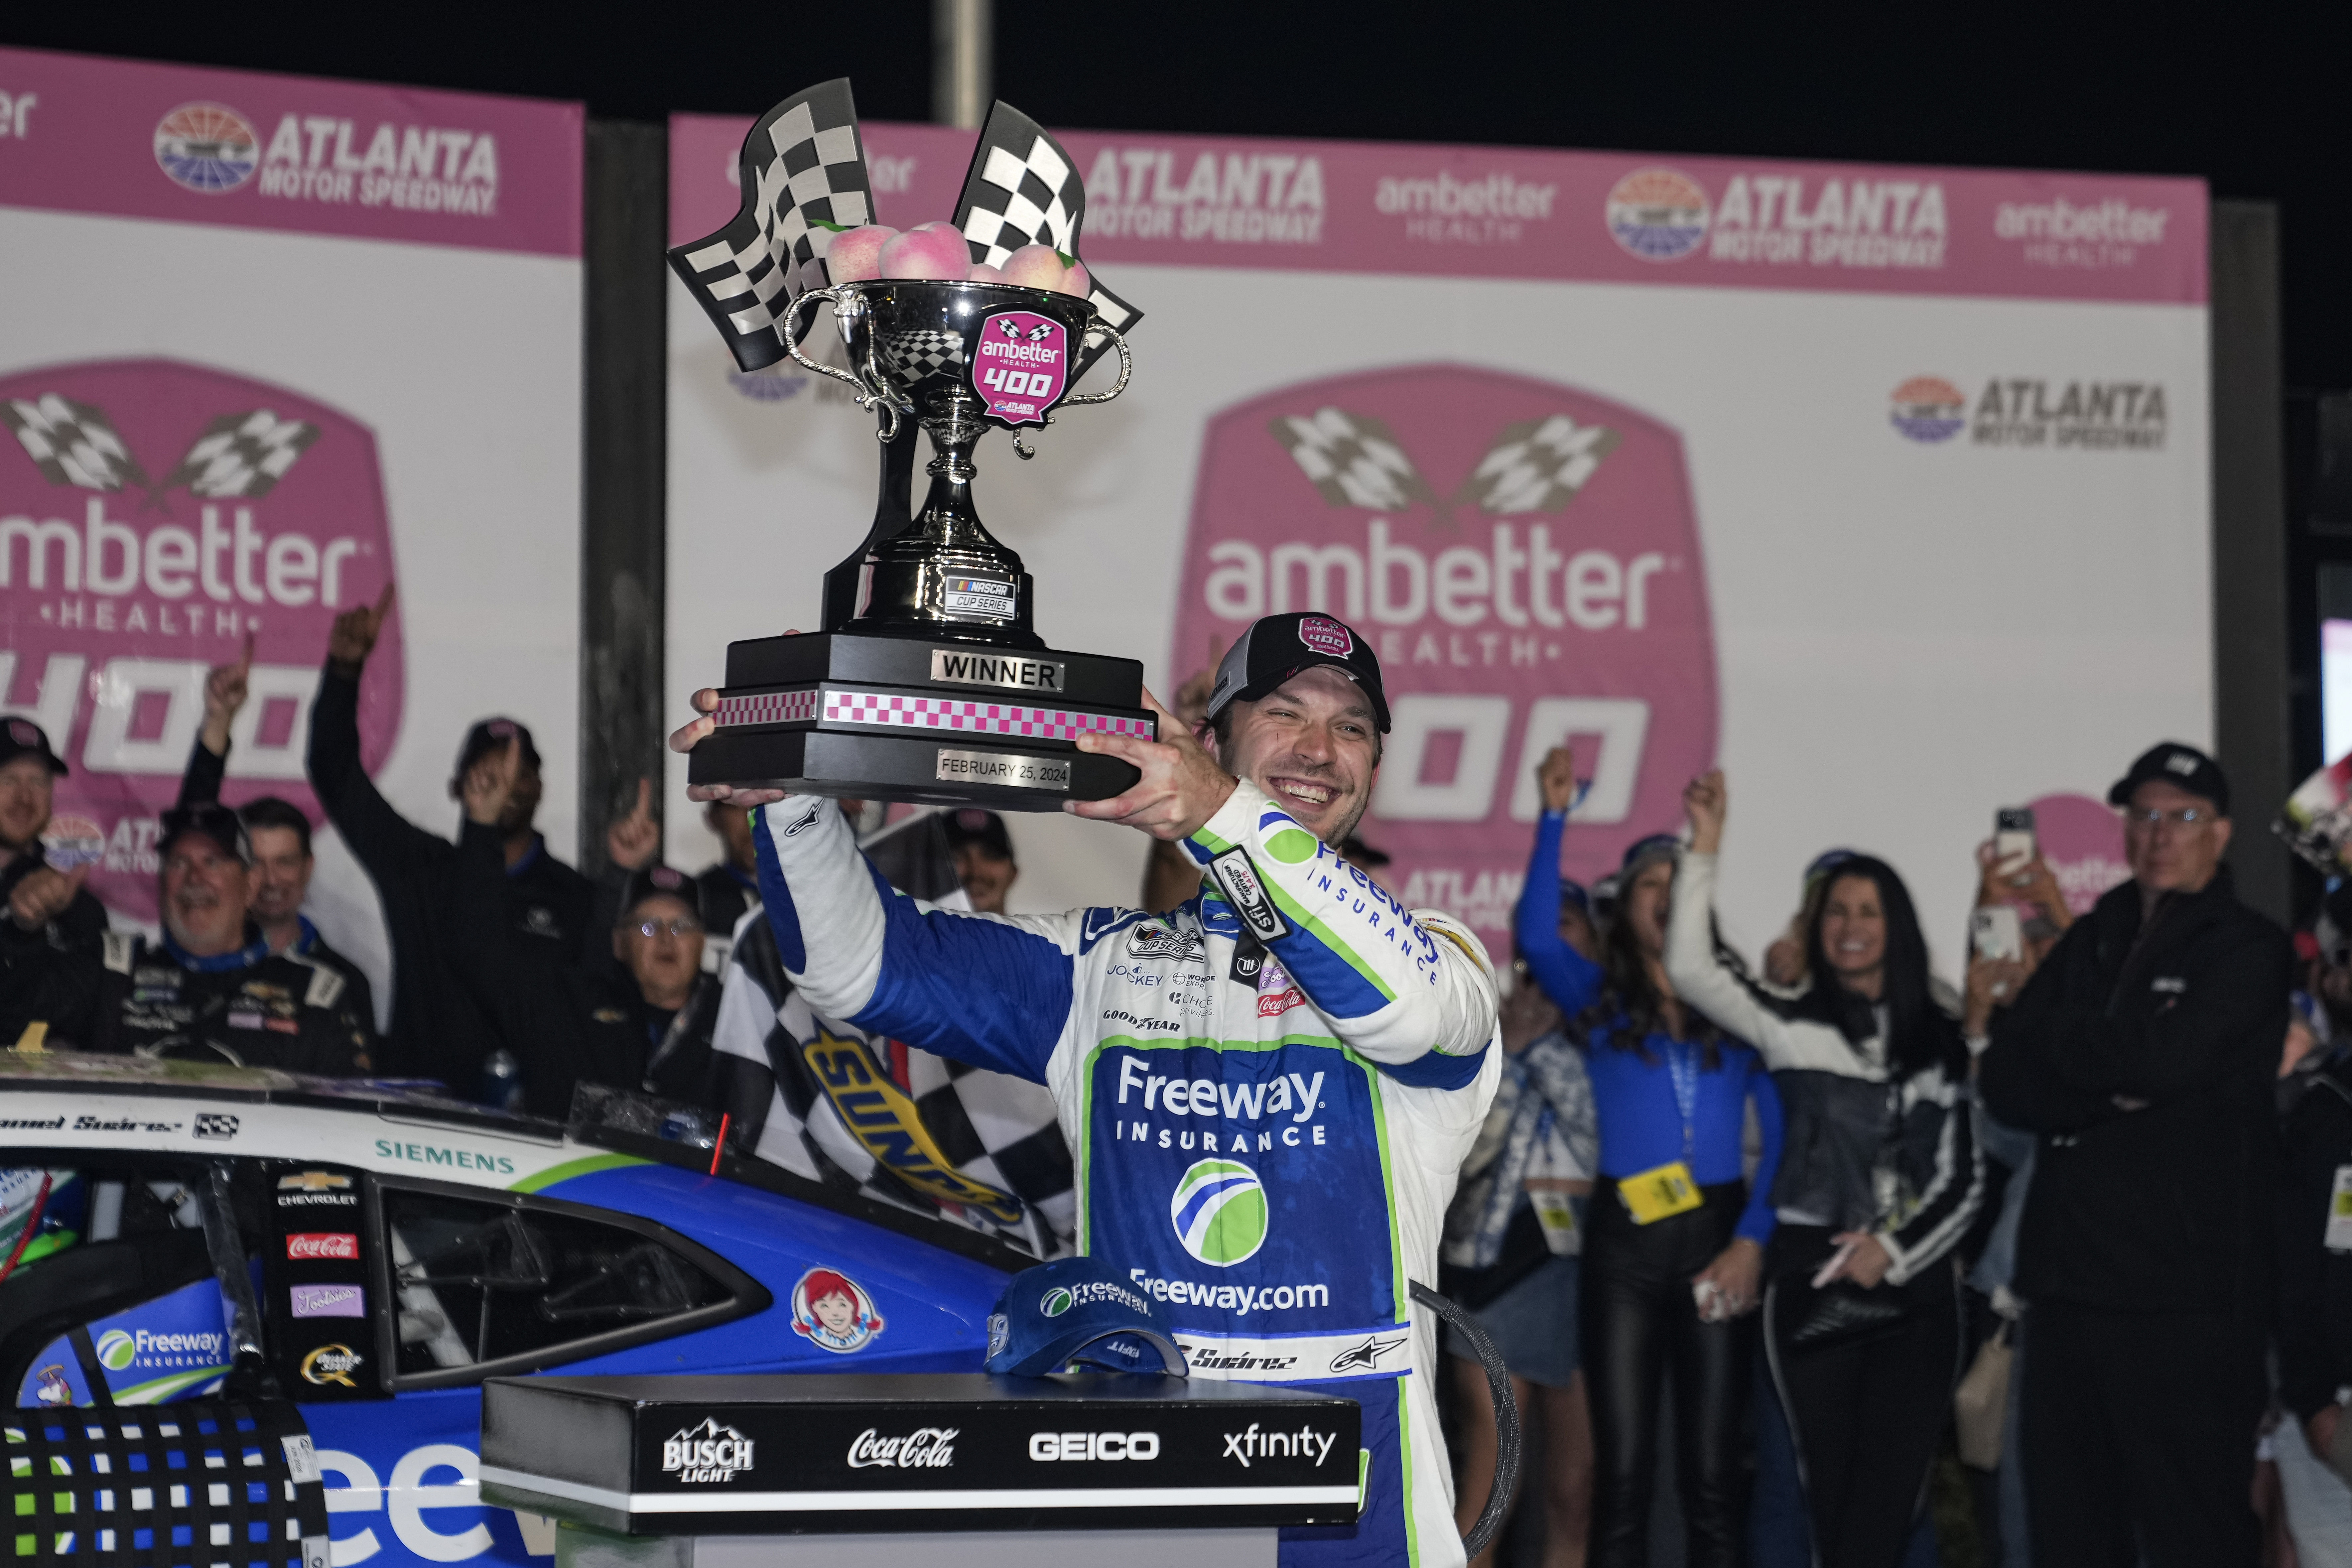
1270 1089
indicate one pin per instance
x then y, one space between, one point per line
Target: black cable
1490 1519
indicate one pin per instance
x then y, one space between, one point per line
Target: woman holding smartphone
1674 1239
1882 1178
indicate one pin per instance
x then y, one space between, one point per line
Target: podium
770 1471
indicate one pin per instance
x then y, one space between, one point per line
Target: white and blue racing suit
1272 1157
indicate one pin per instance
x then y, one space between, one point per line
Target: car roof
59 1102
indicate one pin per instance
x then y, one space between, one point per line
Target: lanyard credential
1682 1066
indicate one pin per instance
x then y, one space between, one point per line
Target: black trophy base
938 721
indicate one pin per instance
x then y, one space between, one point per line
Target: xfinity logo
706 1453
1304 1443
925 1448
1049 1446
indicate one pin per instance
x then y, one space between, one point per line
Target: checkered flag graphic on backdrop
71 443
242 455
1352 458
803 174
1537 466
1024 189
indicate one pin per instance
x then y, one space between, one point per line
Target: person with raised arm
1270 1087
1674 1250
1881 1178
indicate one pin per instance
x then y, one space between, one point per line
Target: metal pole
963 60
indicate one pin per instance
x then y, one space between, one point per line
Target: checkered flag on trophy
1537 466
71 443
1352 458
242 456
803 175
1024 188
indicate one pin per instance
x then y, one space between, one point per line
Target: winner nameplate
927 680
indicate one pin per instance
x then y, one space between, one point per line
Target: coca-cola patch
309 1244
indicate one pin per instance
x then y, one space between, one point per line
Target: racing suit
251 1007
1269 1102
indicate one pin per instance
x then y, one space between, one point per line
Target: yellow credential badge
1653 1195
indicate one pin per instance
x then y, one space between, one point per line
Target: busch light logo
706 1453
1658 214
1928 408
1020 365
1522 557
153 516
1219 1212
206 148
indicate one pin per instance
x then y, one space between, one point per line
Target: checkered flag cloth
1024 188
995 1130
71 443
803 175
1537 466
242 455
1353 459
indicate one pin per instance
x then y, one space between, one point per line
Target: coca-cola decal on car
924 1448
313 1244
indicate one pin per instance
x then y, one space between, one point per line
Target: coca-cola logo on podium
153 514
1524 558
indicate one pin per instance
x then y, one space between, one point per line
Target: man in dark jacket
51 926
211 990
2314 1253
441 1024
2142 1054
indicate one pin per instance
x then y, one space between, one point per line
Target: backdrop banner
1884 488
269 345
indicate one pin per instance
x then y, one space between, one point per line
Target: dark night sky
2250 97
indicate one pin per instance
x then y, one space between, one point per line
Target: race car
388 1249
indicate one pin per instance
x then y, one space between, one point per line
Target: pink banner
1600 217
250 151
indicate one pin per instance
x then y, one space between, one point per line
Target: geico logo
1397 584
110 558
409 1502
1108 1446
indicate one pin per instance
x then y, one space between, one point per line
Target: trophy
926 680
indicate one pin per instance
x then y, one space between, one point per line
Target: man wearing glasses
658 1011
2142 1054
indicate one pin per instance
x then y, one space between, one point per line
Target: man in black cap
983 858
283 863
49 940
2142 1054
649 1026
442 1026
211 989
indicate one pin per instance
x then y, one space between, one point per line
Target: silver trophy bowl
928 352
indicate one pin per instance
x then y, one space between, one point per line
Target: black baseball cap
2179 764
659 881
1276 648
984 828
209 819
488 735
23 738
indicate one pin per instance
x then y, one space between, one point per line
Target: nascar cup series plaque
927 680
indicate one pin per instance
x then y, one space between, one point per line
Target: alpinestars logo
706 1453
1365 1356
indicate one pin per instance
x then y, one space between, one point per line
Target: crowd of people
1739 1231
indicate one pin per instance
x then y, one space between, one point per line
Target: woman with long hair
1673 1246
1882 1178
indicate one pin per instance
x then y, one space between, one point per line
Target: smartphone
1995 932
2013 839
